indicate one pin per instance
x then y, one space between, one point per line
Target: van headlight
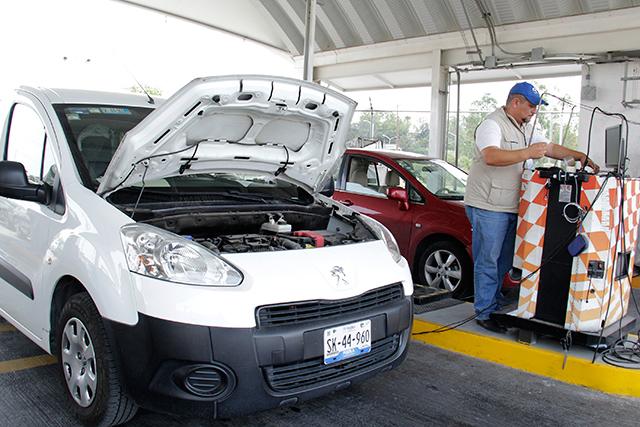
383 234
156 253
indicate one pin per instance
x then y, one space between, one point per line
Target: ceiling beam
373 66
356 21
616 30
591 33
331 31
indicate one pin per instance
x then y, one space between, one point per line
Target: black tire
445 265
87 365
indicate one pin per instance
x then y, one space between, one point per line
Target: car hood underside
274 125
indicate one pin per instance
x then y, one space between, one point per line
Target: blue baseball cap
527 90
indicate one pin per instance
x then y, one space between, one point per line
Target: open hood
276 125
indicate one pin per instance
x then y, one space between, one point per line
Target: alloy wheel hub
443 270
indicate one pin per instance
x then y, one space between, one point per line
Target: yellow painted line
6 327
26 363
607 378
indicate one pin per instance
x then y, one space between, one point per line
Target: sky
108 45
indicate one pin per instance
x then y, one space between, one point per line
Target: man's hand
590 163
537 150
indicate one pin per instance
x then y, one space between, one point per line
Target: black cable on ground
623 354
452 325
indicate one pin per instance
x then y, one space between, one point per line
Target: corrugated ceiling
351 23
375 44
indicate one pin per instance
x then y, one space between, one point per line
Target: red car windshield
439 177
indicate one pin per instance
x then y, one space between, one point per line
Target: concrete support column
439 91
309 39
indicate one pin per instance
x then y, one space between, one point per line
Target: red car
419 199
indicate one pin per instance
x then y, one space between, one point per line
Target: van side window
49 169
26 142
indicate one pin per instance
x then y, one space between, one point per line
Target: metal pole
457 115
624 83
371 132
309 38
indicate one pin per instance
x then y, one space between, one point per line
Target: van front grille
313 372
307 311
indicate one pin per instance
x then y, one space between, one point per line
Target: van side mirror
15 185
401 195
328 189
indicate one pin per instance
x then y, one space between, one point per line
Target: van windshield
94 133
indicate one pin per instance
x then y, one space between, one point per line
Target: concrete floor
433 387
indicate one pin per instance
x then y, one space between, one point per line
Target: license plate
343 342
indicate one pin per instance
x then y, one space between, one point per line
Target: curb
578 371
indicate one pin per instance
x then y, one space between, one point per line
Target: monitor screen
612 146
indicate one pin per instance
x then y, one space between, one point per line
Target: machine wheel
88 366
445 265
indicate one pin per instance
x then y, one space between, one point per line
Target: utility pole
370 119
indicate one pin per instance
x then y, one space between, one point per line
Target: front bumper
261 367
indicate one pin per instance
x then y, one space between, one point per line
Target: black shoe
492 325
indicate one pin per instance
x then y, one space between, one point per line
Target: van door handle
347 202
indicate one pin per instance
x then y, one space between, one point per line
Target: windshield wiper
204 196
264 197
240 196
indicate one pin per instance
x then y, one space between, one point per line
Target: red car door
363 187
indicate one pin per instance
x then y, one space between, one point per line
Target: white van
182 258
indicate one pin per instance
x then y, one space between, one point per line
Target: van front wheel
88 366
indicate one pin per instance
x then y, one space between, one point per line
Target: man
502 146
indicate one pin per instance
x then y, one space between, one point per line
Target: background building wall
609 95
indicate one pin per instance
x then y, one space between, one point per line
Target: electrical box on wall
490 61
537 54
588 93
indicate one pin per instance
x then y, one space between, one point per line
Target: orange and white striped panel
590 299
588 295
532 218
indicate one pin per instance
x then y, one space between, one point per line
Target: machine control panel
595 269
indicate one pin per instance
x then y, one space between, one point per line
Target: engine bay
257 231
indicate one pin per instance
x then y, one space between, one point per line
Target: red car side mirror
401 195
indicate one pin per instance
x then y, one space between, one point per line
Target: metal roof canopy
376 44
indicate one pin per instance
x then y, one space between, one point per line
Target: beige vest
497 188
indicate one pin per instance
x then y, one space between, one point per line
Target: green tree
468 124
554 119
419 140
391 128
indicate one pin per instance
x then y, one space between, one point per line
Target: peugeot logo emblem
339 274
